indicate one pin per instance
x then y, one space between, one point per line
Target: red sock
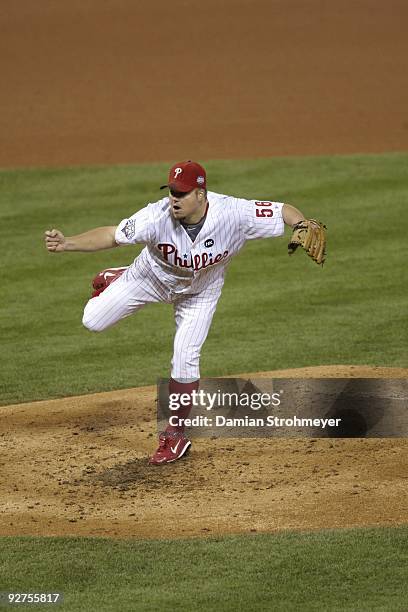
183 411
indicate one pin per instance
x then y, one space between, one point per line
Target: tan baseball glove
311 236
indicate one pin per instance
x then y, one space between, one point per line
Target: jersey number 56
263 212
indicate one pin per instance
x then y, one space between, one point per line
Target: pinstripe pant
133 290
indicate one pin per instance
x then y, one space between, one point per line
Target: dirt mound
78 466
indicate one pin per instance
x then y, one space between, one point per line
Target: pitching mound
78 466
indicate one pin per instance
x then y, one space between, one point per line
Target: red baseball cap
186 176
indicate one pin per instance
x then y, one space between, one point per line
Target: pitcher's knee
186 365
91 321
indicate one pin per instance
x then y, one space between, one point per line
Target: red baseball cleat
172 446
104 279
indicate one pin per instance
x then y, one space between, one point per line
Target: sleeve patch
129 229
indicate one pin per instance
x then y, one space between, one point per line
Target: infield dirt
79 466
122 81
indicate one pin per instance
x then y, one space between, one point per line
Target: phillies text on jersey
187 266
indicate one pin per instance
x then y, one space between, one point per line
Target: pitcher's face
188 207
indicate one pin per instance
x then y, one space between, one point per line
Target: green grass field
276 312
360 569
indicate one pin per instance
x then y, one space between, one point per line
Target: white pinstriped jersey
184 266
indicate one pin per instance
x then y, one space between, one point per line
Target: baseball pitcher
190 236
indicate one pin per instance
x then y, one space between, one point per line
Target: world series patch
129 229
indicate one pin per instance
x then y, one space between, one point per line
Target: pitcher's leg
193 315
126 295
